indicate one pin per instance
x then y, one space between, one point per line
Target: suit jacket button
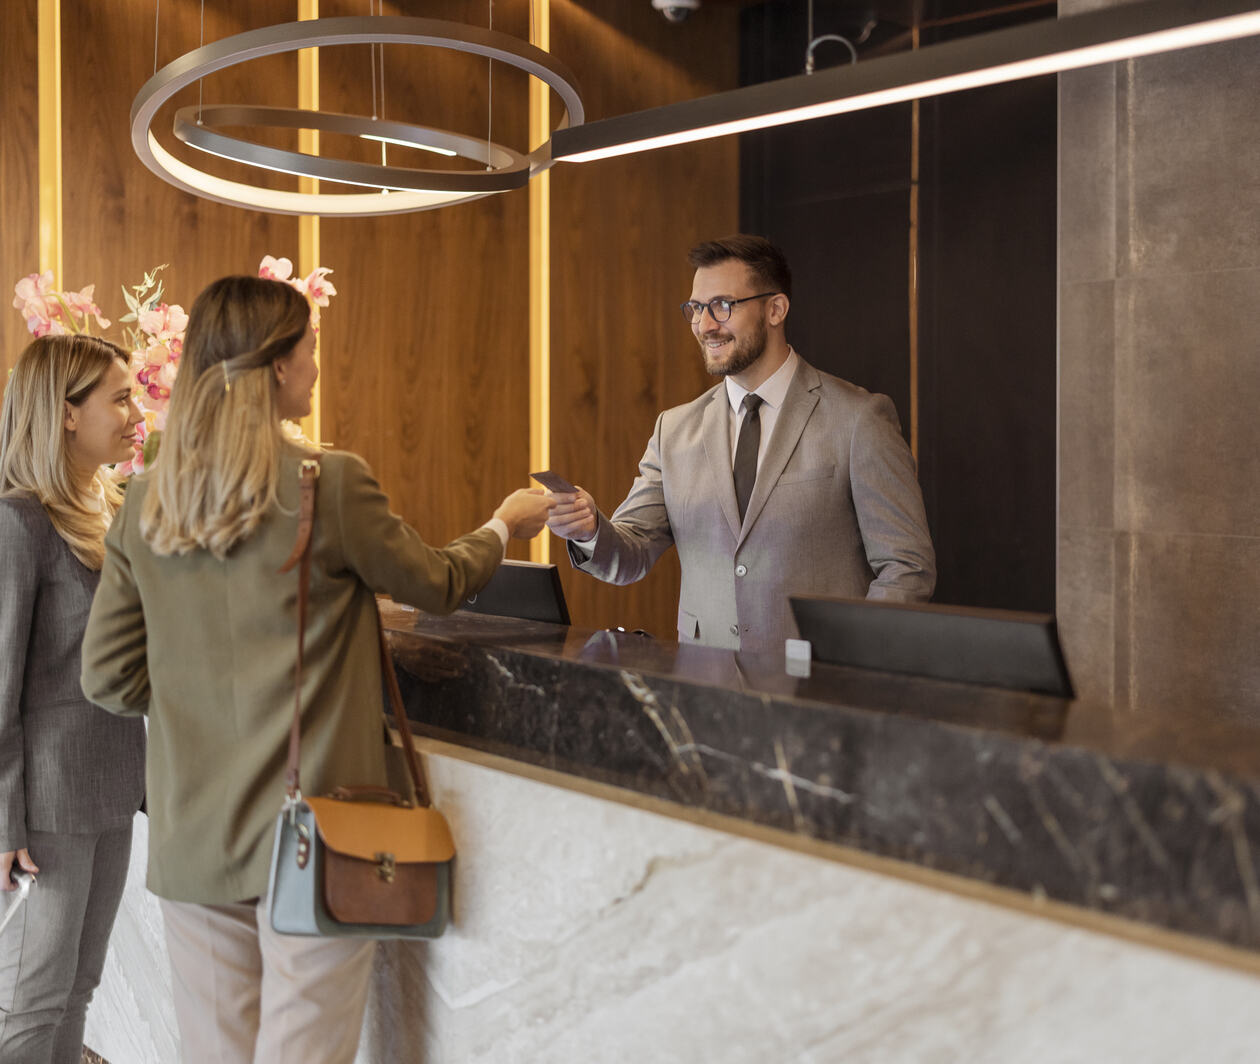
734 629
741 570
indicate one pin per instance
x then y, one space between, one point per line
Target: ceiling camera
676 10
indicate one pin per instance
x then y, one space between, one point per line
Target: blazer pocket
688 626
797 476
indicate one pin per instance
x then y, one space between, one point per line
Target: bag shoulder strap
301 556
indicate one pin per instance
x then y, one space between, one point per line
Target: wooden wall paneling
426 359
120 219
621 228
19 169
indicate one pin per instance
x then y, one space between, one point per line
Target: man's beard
745 353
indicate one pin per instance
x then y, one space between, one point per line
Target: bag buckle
289 811
384 866
304 845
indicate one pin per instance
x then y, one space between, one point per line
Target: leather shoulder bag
363 861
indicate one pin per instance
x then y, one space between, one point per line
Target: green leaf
150 450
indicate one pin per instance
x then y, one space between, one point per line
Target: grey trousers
53 951
246 995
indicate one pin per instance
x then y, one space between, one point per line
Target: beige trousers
246 995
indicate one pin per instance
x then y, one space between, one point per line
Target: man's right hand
574 516
7 860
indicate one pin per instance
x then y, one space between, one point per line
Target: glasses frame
730 304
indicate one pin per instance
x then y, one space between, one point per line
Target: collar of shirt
772 390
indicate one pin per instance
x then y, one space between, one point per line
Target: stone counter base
589 931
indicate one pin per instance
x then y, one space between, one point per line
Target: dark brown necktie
746 452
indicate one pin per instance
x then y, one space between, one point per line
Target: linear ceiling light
416 189
1025 51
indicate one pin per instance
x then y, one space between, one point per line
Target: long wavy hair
216 471
34 459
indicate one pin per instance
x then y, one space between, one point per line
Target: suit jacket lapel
715 430
798 405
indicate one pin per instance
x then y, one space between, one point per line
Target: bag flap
364 829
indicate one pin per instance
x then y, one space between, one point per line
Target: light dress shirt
773 391
501 529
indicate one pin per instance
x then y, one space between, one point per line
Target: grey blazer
65 765
836 509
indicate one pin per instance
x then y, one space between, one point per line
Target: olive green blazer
207 648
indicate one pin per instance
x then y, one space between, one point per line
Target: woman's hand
525 512
8 859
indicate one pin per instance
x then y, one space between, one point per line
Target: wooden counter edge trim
1061 912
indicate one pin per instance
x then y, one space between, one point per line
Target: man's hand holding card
573 516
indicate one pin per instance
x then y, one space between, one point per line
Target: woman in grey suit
71 775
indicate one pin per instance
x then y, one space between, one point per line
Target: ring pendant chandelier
408 189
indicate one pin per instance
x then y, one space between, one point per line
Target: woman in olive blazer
194 624
71 776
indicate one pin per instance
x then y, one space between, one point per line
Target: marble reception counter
681 854
1052 801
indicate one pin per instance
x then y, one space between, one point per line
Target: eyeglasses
719 309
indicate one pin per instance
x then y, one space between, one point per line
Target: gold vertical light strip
48 31
308 224
540 274
914 268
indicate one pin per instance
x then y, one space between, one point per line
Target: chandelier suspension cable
372 49
157 12
201 42
377 52
489 84
380 66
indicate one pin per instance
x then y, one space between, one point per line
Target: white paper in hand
24 880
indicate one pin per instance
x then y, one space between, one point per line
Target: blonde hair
34 460
217 467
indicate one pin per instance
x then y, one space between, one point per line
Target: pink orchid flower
166 377
36 298
157 354
83 303
275 269
157 392
163 322
36 289
45 327
318 287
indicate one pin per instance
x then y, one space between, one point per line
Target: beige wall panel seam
540 276
308 224
50 244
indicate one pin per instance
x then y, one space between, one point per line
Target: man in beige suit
779 480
